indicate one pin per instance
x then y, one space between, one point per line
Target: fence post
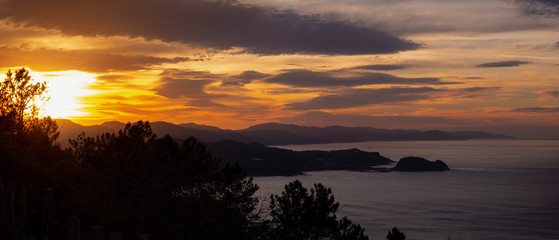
11 190
3 199
97 233
46 215
23 203
75 228
115 236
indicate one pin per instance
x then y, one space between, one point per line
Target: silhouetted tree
134 182
19 107
27 140
29 153
141 183
395 234
302 214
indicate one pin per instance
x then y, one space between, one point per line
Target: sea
497 189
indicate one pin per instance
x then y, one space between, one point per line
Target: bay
496 190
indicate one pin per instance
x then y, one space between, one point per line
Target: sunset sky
420 64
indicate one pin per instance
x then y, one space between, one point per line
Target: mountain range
276 133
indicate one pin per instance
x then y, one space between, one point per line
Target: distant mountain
481 135
279 134
549 132
294 134
164 128
114 125
200 127
71 130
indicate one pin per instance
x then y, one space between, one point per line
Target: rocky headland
416 164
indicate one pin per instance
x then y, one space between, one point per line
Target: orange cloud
82 60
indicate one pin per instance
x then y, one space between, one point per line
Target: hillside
259 160
279 134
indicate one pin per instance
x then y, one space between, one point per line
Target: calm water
497 190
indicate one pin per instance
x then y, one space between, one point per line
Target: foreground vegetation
138 184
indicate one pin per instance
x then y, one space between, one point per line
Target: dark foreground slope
259 160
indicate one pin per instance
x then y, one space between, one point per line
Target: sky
422 64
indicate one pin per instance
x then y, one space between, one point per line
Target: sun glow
65 90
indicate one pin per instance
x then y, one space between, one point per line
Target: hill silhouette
280 134
260 160
70 130
419 164
415 164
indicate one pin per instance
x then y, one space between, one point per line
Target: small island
261 160
416 164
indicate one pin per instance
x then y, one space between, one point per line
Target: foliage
30 157
27 141
20 101
144 183
302 214
134 182
395 234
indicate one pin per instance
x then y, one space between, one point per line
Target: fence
97 232
15 222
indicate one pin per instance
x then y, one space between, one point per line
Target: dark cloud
363 97
537 109
244 78
85 60
191 85
474 92
210 24
542 8
232 83
549 93
465 78
307 78
381 67
175 88
177 83
502 64
478 89
205 103
250 75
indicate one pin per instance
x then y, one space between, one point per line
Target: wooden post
23 202
115 236
45 216
3 210
144 236
11 190
75 228
3 203
97 233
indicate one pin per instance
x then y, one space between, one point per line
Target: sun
65 89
